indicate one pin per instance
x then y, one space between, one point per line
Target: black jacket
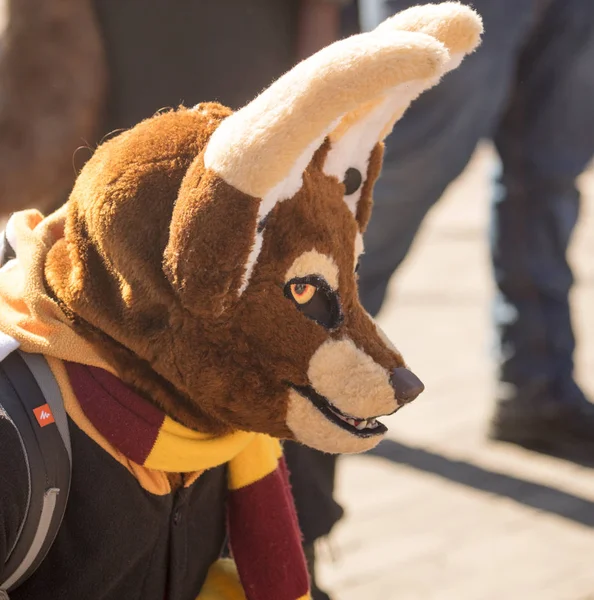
116 538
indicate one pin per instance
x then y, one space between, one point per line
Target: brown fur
108 273
52 76
157 267
373 172
152 258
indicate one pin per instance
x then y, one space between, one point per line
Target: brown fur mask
211 256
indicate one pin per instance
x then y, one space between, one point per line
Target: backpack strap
51 391
31 397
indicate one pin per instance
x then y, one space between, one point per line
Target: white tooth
362 425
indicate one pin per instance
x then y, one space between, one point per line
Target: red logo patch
44 415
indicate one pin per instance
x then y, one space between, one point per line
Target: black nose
407 386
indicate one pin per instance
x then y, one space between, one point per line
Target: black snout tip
407 386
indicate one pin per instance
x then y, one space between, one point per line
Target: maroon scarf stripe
124 418
282 465
265 539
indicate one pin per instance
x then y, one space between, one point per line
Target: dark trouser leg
545 141
312 479
432 144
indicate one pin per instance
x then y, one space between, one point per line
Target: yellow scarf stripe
260 459
178 449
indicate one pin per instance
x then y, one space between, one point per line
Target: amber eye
302 292
313 297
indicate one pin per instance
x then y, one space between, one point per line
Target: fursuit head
211 255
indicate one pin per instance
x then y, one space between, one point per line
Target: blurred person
74 71
530 88
52 85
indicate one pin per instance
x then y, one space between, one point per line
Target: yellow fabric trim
306 597
259 459
222 582
179 449
154 482
29 315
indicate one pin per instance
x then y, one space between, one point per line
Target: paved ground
437 512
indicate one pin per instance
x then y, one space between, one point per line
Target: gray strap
50 389
47 512
3 595
52 504
26 458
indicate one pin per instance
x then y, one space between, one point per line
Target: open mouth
363 428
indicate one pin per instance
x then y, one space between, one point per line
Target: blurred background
484 488
438 511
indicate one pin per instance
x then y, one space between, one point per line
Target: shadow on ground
535 495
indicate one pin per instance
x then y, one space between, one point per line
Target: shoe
535 420
310 557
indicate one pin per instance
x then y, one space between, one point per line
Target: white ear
355 138
454 25
351 146
292 182
263 149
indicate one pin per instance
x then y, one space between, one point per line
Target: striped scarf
263 530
